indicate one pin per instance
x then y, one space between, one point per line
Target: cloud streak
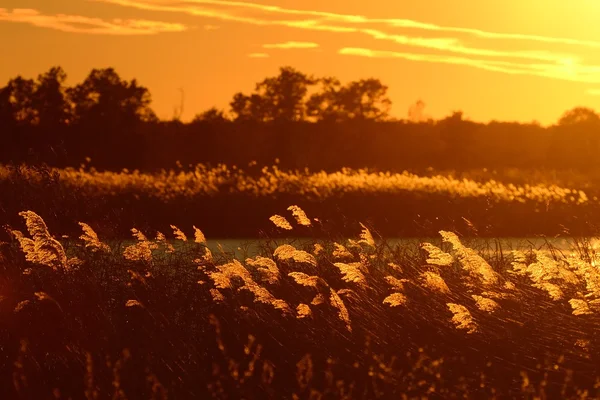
258 55
570 72
291 45
453 50
88 25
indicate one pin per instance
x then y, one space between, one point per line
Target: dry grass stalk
179 235
485 304
341 253
42 248
395 299
462 317
286 252
437 256
281 222
300 215
266 267
91 239
303 311
434 281
351 273
473 263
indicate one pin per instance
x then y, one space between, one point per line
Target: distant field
227 201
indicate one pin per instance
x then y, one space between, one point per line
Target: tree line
297 118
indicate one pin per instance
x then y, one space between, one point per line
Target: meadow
229 201
321 319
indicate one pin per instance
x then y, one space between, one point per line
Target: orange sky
511 60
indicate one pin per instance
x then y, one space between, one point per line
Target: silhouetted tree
16 103
49 99
326 104
365 99
212 115
279 98
284 95
104 98
576 138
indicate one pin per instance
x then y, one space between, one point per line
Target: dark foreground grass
150 322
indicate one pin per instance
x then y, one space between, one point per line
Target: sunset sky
510 60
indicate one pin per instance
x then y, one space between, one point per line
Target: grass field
324 318
231 202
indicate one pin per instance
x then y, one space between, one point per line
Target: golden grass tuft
434 281
91 239
287 252
351 272
281 222
300 215
485 304
303 311
395 299
437 256
462 318
266 267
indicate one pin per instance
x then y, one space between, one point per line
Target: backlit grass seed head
590 273
317 249
300 215
341 253
178 233
365 238
140 251
547 268
462 318
42 248
307 280
485 304
343 314
437 256
318 300
351 273
303 311
287 252
281 222
580 307
470 261
138 235
553 290
91 239
199 236
434 281
395 283
222 279
519 263
162 240
395 299
267 268
133 303
395 267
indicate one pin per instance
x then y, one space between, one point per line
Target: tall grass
219 196
332 318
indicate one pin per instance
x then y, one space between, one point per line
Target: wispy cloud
495 55
593 92
567 71
291 45
258 55
88 25
209 27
